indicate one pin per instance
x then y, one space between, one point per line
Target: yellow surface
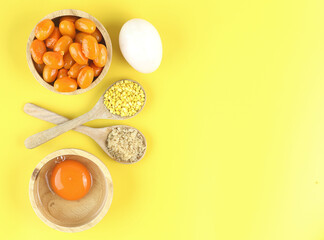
234 122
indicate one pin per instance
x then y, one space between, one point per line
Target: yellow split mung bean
125 98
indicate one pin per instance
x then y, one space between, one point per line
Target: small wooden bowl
55 18
65 215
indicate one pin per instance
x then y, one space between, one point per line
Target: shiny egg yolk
70 180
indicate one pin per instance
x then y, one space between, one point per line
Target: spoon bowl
99 135
99 111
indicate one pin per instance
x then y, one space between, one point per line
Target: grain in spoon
99 111
99 135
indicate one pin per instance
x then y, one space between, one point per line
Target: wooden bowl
65 215
55 18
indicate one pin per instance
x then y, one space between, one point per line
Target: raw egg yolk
70 180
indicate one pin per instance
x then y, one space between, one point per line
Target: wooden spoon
99 135
99 111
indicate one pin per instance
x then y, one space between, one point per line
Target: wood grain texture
64 215
99 111
77 13
99 135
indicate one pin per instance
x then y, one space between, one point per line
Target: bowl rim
101 28
72 151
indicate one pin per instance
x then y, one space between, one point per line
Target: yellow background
234 122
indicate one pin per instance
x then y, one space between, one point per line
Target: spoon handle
48 116
44 136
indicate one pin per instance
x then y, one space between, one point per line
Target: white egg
141 45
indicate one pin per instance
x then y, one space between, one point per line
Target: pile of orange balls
69 56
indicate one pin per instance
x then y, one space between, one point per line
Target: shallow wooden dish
65 215
54 16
